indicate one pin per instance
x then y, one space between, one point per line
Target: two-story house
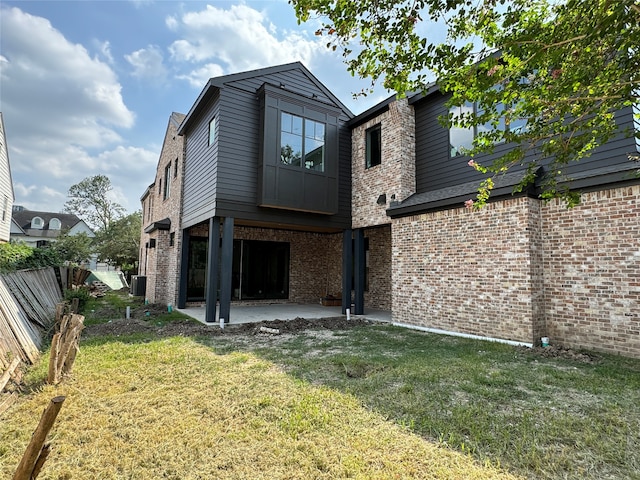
38 229
7 196
302 199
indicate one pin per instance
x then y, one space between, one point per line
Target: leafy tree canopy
119 243
558 69
75 249
89 200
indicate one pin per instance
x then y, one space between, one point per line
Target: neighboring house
38 229
304 200
6 186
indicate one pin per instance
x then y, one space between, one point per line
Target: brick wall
592 271
162 263
395 176
469 271
378 295
315 267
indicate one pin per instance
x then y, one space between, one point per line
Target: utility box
138 285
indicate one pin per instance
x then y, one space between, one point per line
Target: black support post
359 271
347 269
226 269
184 270
213 255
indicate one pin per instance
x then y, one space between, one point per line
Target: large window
302 142
374 146
260 270
461 138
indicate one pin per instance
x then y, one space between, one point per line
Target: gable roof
22 218
216 83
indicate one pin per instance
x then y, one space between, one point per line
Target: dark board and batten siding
436 170
227 183
201 169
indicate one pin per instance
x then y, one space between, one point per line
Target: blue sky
87 87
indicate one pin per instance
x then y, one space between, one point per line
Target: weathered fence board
27 306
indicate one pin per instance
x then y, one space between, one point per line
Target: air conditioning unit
138 285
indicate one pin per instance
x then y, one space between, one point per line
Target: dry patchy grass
173 408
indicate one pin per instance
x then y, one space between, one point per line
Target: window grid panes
302 142
461 138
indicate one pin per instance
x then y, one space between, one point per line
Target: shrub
81 293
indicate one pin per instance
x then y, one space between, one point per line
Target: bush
81 293
18 256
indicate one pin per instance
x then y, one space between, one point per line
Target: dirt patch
562 352
122 326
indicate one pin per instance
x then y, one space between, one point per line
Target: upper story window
213 127
175 168
167 181
461 138
302 142
37 222
55 224
374 146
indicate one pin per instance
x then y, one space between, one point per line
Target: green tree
119 243
75 249
89 200
558 69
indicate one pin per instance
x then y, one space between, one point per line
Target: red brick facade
161 263
520 269
592 271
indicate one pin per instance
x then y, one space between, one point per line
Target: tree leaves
562 68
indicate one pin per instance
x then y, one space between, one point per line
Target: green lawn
370 402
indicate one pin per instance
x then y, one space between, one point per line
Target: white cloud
105 50
240 37
60 107
198 78
148 64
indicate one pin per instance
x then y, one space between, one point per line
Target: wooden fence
27 310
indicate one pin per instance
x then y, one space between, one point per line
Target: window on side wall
213 127
373 146
167 181
461 138
302 142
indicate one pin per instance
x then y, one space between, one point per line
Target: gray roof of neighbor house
23 218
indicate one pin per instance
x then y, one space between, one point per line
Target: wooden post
53 359
75 305
7 374
36 449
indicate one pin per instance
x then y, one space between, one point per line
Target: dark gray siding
201 167
435 169
228 174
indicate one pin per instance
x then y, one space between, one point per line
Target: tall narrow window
374 146
302 142
5 206
167 181
175 168
212 131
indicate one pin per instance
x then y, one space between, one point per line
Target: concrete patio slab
285 311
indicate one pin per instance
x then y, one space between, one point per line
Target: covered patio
286 311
